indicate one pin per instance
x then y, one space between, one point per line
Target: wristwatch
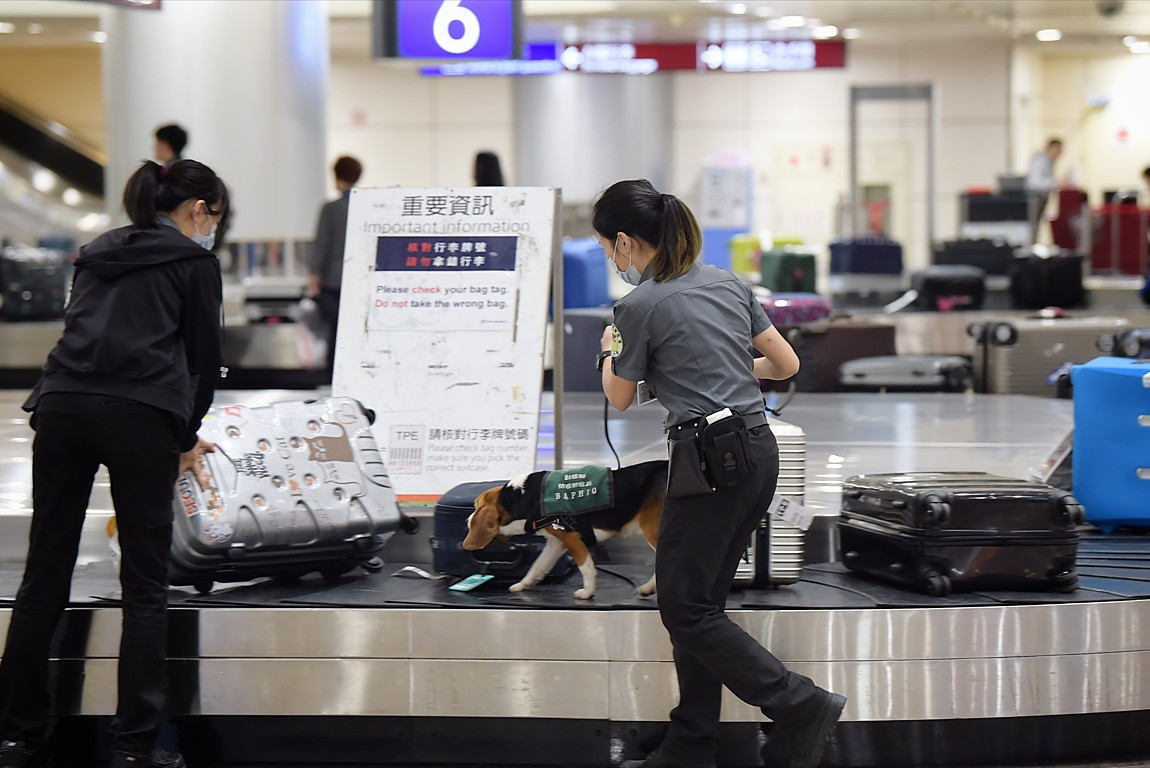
599 360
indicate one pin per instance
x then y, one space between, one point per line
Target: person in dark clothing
690 331
126 386
170 142
488 172
326 276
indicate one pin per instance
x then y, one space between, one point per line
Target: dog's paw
519 586
584 594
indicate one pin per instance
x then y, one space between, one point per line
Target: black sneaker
18 754
809 739
156 759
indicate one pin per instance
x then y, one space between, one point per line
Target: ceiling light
1142 47
44 181
7 27
850 33
1049 35
35 29
1129 40
762 11
72 197
823 33
793 22
775 24
99 37
738 9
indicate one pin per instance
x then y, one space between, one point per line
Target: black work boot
154 759
809 737
19 754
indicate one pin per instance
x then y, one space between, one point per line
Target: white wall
416 131
1095 152
794 128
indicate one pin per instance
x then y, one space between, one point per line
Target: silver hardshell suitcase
775 554
291 488
1024 357
939 373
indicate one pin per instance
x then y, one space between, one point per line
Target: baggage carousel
393 668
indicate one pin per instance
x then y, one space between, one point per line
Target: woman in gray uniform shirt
689 331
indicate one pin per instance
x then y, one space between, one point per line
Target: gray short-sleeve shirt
690 339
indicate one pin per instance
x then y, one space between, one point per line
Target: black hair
1146 172
155 189
662 221
347 169
174 136
487 170
1054 142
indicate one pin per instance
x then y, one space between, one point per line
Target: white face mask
630 276
205 241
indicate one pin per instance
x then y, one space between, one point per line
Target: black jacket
143 323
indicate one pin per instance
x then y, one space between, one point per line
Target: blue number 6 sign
449 29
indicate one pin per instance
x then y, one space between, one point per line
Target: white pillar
247 80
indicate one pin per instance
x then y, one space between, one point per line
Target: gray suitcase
292 488
775 554
1024 357
938 373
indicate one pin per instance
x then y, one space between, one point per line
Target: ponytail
140 195
156 189
681 240
662 221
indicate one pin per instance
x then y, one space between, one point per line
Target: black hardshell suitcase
995 257
508 561
967 530
1037 282
950 286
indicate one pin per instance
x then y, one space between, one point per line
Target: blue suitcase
584 274
1112 441
866 256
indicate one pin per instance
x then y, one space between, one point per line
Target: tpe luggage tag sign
790 511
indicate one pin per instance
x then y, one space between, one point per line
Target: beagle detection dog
518 507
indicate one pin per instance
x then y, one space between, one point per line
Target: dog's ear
483 525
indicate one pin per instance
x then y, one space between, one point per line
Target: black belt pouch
726 450
685 472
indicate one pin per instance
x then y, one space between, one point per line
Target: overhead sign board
447 29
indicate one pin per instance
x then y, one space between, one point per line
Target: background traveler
688 330
487 171
126 386
1041 181
326 276
170 142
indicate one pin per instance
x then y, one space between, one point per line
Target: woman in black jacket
126 386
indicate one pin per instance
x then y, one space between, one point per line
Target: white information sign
443 313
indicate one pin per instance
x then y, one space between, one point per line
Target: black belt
691 428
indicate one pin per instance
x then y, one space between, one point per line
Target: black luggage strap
691 428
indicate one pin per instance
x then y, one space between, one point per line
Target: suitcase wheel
937 511
409 525
372 565
937 584
204 586
1003 335
1133 344
1072 512
1105 343
959 380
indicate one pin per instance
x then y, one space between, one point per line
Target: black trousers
328 303
701 539
137 443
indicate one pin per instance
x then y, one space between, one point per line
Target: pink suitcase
790 309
